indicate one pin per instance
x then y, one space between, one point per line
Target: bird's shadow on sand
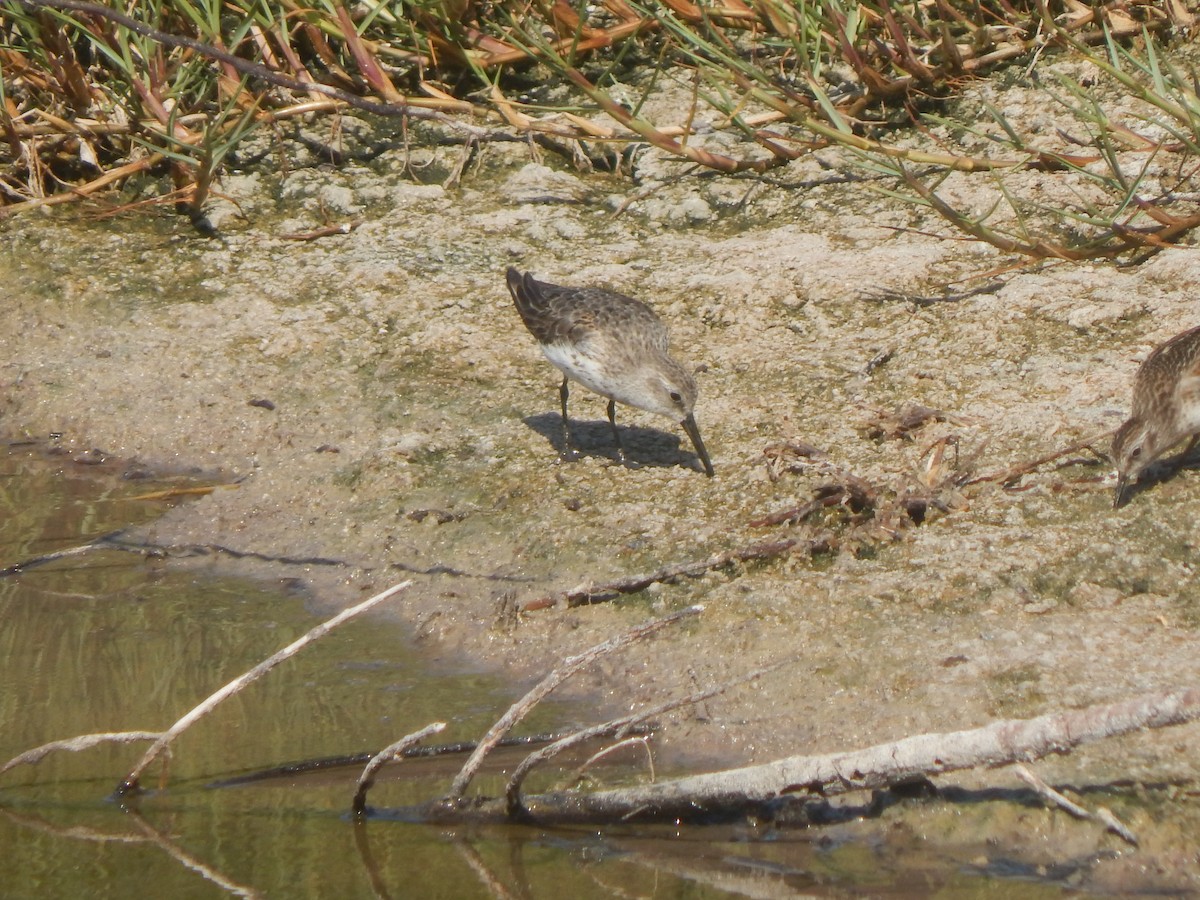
648 447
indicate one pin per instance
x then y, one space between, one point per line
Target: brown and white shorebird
1166 409
611 344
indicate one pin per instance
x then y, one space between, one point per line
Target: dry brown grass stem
510 55
112 176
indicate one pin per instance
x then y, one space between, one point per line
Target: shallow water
108 640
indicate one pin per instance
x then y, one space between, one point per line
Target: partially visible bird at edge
1166 409
611 344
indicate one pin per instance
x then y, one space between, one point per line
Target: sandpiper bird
611 344
1166 409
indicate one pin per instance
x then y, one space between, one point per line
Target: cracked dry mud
414 421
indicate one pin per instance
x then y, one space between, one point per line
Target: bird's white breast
579 366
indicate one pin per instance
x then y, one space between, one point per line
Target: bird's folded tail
526 294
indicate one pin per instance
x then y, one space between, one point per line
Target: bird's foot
620 459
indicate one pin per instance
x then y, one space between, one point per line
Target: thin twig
598 593
130 782
75 744
619 727
1011 473
1104 816
393 751
640 740
565 670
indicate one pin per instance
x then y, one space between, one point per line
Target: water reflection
107 641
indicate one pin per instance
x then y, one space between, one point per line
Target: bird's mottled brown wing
1174 364
556 314
1188 394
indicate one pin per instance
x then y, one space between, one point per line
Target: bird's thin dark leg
612 420
568 450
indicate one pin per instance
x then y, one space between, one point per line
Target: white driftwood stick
998 744
213 700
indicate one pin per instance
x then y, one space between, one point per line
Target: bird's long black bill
689 425
1122 495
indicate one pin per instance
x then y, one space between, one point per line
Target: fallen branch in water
561 673
760 789
617 727
131 781
42 559
76 744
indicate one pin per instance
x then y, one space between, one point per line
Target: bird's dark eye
1135 452
675 397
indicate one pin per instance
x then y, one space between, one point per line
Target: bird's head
1136 444
668 389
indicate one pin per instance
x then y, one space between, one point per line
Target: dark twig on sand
599 593
1012 473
